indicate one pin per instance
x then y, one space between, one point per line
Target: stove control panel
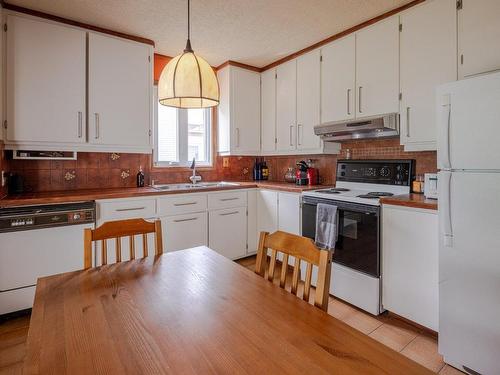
387 172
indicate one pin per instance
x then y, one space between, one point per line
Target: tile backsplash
113 170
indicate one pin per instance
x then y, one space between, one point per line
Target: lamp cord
189 23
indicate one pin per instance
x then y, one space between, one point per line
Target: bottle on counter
264 171
257 171
140 177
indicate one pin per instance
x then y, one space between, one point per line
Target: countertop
68 196
411 200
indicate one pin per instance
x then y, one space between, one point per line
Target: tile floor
395 333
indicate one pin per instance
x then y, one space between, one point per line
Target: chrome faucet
194 178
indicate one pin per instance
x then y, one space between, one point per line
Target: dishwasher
38 241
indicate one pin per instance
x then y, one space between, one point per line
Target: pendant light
188 81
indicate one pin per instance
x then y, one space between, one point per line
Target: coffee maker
301 173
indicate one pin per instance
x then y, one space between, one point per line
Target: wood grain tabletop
191 312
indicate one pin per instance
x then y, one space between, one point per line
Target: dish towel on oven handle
326 226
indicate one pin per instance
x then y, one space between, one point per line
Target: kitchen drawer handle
291 135
299 134
183 220
80 124
96 116
230 213
228 199
184 204
130 209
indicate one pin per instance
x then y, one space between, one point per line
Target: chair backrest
118 229
303 249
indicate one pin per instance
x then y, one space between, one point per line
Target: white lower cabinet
410 264
267 211
289 217
228 232
279 211
184 231
123 209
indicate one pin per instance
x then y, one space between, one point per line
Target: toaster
431 185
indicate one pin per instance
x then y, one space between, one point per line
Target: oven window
357 244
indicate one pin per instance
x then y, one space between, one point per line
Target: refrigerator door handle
445 207
445 149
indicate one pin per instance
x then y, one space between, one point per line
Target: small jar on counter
418 185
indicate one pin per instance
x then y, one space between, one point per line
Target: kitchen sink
199 185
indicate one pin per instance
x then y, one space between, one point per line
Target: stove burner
333 190
375 195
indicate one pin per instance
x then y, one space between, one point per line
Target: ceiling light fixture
188 81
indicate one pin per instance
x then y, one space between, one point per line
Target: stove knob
76 216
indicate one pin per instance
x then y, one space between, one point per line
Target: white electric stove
360 184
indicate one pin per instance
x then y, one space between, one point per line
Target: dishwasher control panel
35 217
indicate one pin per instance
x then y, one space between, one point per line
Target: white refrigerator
469 219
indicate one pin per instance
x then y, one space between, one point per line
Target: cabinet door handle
237 137
228 199
183 220
230 213
299 134
348 101
291 135
96 116
80 124
184 204
407 122
359 98
130 209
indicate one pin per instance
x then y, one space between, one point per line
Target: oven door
358 244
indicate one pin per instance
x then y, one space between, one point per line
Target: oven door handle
345 207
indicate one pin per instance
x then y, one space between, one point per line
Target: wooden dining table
191 312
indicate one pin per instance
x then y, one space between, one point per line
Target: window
181 135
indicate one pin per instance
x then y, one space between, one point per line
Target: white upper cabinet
298 91
239 111
268 110
45 82
377 69
338 80
428 59
478 36
120 87
286 105
308 100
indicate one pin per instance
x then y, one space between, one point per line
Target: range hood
382 126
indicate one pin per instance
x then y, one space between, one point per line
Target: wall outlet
225 162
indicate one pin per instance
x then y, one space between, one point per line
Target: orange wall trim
159 63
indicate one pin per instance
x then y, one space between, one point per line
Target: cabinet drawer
227 199
126 209
182 204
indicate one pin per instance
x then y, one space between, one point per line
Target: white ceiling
255 32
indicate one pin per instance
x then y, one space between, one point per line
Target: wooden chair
117 230
303 249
